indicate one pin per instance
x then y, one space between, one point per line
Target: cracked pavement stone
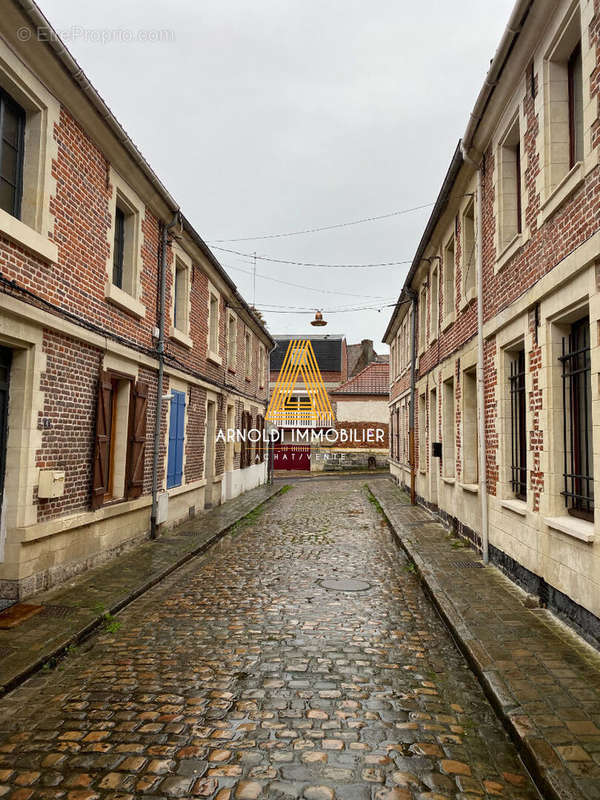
241 677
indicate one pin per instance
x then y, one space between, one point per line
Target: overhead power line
310 263
325 227
301 286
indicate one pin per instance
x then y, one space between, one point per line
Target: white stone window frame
232 342
449 316
33 231
182 335
423 303
512 338
422 421
512 114
448 374
434 284
557 313
468 295
213 355
124 196
468 365
248 354
555 185
261 366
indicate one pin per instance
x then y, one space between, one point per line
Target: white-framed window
469 256
509 185
435 303
449 278
422 433
124 263
564 102
423 317
448 429
232 341
29 115
261 366
213 324
248 355
469 444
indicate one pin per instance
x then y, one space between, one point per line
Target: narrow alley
300 658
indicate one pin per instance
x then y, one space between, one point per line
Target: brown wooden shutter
136 450
100 476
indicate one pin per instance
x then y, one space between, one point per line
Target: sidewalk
73 610
542 679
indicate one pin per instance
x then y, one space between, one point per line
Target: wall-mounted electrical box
51 483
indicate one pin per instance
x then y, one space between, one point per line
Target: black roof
328 352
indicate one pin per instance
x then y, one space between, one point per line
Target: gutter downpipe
480 371
160 350
413 380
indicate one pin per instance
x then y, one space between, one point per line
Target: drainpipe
413 380
160 349
480 368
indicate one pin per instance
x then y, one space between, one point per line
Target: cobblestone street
241 676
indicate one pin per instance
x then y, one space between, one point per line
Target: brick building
87 232
494 340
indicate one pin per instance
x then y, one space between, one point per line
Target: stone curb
551 784
86 630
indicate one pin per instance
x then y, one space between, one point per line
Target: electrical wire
324 227
253 256
300 286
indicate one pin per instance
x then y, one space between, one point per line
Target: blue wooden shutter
176 430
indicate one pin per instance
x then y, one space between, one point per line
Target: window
469 256
181 297
564 99
213 324
12 135
118 248
518 429
509 194
246 444
448 432
422 317
261 366
124 271
248 355
120 439
422 434
232 342
470 471
176 439
575 81
578 468
434 303
260 445
449 278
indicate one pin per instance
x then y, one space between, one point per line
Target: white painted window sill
508 252
472 488
449 480
580 529
181 337
448 320
214 358
518 506
124 301
27 238
572 180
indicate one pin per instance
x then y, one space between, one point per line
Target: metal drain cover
345 585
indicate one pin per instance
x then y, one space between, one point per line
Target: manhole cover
345 585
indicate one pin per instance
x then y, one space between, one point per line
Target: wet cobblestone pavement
241 676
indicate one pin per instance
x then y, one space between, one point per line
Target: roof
436 214
327 349
373 379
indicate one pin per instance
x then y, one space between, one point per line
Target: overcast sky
266 117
